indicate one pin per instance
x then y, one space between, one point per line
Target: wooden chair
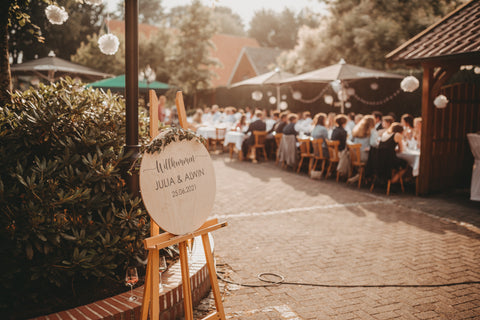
304 153
219 138
260 137
278 138
356 162
317 154
389 183
333 157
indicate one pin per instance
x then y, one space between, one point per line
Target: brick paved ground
328 233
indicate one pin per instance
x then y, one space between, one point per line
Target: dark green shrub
66 217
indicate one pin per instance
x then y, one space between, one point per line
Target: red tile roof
228 49
456 35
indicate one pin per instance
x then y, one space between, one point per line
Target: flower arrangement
172 134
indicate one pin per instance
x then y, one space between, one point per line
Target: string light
379 102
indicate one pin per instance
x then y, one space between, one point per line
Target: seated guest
378 120
273 121
257 125
330 123
339 133
280 124
386 123
230 115
350 123
207 116
417 131
407 122
387 154
304 125
241 124
320 131
364 133
290 127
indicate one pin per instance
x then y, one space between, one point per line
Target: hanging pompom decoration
476 70
297 95
56 15
409 84
94 2
108 44
283 105
336 85
257 95
440 101
348 104
342 95
374 86
272 100
328 99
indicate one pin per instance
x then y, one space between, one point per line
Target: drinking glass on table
131 278
162 267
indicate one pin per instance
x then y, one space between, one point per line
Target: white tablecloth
474 140
235 137
413 159
207 132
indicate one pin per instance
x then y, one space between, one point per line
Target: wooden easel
159 241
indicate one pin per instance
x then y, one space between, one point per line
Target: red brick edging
171 298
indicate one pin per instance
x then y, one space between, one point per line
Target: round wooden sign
178 186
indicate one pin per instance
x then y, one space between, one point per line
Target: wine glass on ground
190 250
131 278
162 267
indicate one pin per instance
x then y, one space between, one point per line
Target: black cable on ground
281 280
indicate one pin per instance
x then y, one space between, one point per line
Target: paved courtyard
330 234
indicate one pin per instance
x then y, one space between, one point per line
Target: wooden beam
423 179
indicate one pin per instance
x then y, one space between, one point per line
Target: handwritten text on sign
178 186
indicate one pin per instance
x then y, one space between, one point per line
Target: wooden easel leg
213 276
147 289
187 288
154 288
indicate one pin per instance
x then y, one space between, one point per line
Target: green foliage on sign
67 219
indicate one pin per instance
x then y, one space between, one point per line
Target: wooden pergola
441 50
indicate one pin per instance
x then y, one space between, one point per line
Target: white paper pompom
336 85
108 44
283 105
342 95
257 95
94 2
374 86
440 101
297 95
476 70
409 84
56 15
348 104
272 100
328 99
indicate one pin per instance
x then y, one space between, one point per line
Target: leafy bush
67 219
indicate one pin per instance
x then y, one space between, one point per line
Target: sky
244 8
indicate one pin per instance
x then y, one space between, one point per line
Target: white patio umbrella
340 72
274 77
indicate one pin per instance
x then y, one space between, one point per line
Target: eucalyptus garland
170 135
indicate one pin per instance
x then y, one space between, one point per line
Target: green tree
362 32
280 29
228 22
191 59
149 11
12 12
83 19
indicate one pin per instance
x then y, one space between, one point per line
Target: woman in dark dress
339 133
387 159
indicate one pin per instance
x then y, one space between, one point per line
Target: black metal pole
131 88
